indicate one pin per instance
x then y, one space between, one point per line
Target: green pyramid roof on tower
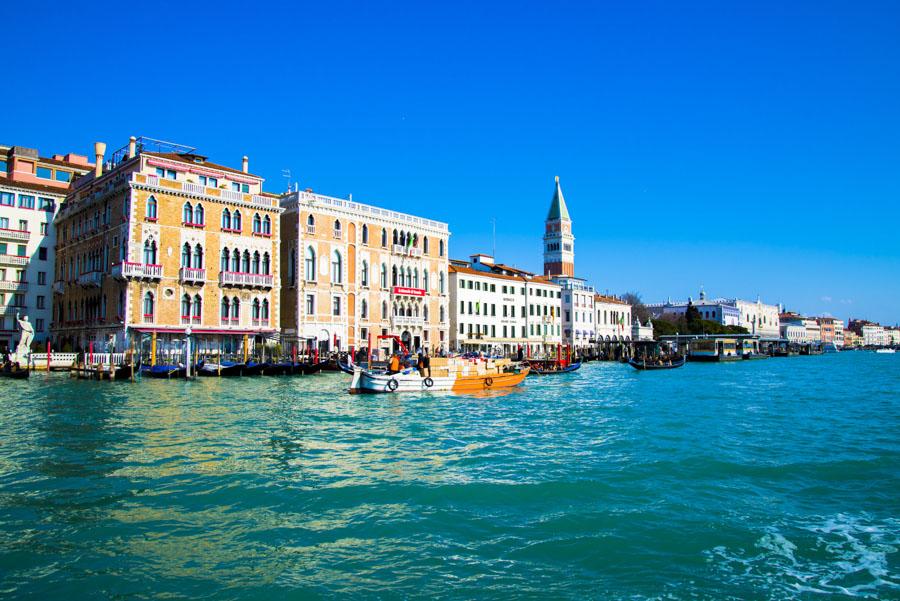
558 208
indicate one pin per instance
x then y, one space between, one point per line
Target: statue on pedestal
24 348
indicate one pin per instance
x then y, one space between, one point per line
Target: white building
578 324
612 319
31 190
892 336
757 317
813 329
498 309
719 311
641 331
839 333
793 332
873 335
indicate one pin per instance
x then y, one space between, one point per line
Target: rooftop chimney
132 142
99 151
245 164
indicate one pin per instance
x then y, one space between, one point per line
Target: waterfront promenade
757 479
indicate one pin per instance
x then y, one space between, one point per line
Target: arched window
197 310
384 237
309 264
425 313
149 306
198 215
384 313
415 312
150 252
383 275
336 268
364 309
186 255
265 309
441 248
257 223
409 280
198 256
226 308
267 225
256 308
226 219
236 221
365 273
337 228
402 276
265 263
256 260
235 309
425 280
425 244
310 224
416 277
235 260
442 314
187 213
365 234
394 280
396 239
151 207
441 283
185 307
225 257
245 262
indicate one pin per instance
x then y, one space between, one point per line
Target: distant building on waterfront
831 331
496 308
642 331
851 339
717 310
612 319
353 270
32 189
158 239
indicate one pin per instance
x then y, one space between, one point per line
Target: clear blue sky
753 148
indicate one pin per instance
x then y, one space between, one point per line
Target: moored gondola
164 371
17 373
543 368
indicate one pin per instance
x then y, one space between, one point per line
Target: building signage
409 291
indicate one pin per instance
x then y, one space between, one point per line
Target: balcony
250 280
407 320
259 323
311 230
187 320
18 235
407 251
141 271
337 234
91 279
191 274
230 321
13 286
13 260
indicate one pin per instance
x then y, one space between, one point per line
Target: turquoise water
758 480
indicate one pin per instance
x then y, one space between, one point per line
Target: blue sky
752 148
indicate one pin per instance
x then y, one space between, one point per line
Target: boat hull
642 366
411 381
535 371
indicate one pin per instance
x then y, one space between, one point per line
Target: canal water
769 479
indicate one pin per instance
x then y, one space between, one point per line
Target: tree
693 320
638 309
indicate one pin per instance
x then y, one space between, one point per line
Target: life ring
393 384
488 382
428 382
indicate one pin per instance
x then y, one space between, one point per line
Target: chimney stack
99 151
245 164
131 146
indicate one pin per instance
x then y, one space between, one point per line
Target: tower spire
559 243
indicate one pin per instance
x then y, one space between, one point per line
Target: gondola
553 369
279 369
308 368
644 366
224 369
164 371
253 368
15 373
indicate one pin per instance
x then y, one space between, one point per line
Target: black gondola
549 368
15 373
164 371
655 364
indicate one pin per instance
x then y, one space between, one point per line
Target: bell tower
559 243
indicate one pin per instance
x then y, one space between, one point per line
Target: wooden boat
651 365
15 373
454 374
224 369
306 369
551 368
163 371
753 356
252 368
278 369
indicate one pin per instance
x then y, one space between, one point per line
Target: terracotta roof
513 269
609 299
75 166
58 190
174 156
487 274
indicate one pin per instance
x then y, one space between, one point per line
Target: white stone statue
24 348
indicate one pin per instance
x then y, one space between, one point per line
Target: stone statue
24 348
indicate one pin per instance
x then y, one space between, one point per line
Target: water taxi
447 374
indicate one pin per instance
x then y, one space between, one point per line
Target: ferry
715 349
453 374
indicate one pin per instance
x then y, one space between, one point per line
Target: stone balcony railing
191 274
13 286
410 251
13 260
18 235
144 271
250 280
91 279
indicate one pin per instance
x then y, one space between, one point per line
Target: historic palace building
352 271
158 241
32 189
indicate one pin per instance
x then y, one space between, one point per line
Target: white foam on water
841 554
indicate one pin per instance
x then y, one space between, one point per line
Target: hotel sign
409 291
